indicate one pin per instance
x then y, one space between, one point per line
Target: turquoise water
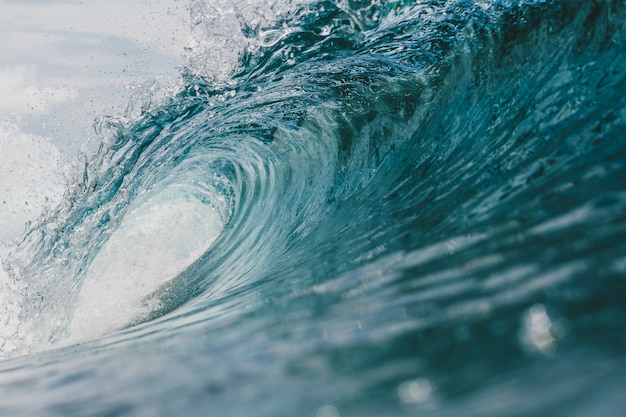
348 208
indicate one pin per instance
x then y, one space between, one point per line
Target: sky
65 63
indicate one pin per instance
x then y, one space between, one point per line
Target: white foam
156 241
33 177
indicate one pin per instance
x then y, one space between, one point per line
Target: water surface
342 208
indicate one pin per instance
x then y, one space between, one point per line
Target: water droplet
539 332
327 411
415 391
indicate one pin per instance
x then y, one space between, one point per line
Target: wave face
349 208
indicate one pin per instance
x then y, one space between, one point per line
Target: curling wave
351 193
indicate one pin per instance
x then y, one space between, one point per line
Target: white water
62 65
33 178
166 230
156 241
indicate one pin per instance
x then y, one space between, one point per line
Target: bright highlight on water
341 208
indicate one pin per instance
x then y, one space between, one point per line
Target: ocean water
339 208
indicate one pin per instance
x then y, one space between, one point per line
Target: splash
33 178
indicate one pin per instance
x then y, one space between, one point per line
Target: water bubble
539 332
327 411
415 391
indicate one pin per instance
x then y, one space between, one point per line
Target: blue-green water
355 208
